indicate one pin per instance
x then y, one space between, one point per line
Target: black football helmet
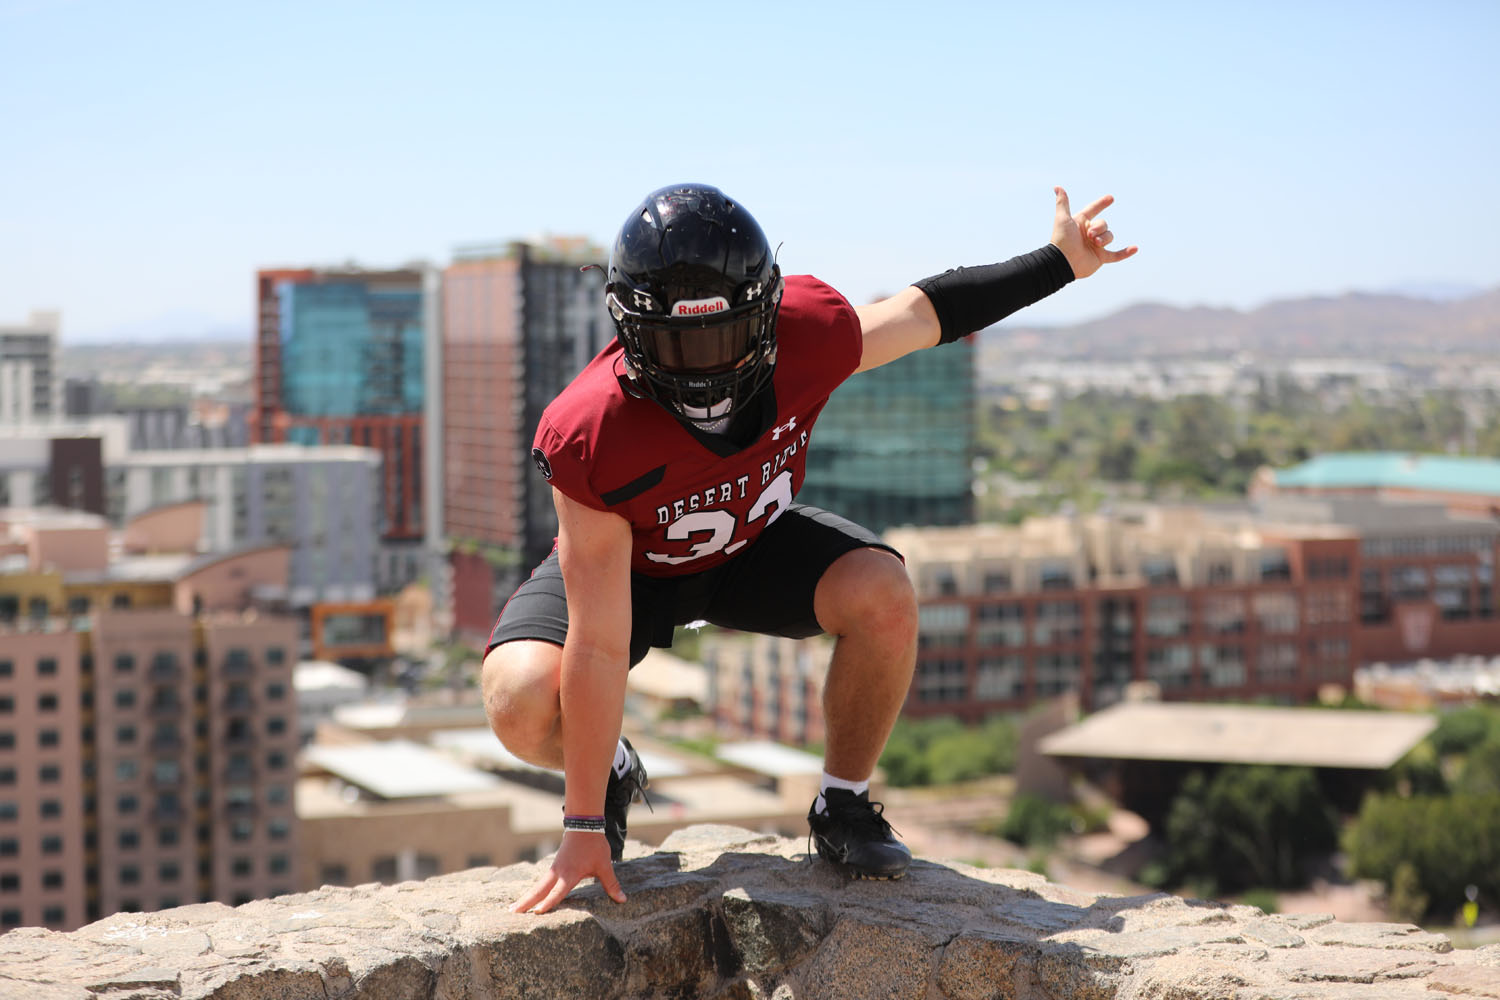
693 289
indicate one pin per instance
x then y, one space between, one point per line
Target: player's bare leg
520 680
866 600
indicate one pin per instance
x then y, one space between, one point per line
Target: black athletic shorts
768 588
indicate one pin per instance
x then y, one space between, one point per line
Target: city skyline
167 153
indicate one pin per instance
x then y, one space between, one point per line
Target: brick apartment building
1237 602
147 722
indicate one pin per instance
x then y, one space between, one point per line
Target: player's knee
869 590
520 685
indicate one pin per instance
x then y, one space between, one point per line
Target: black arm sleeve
971 298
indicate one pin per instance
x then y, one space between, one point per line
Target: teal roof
1386 469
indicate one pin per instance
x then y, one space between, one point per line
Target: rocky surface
718 912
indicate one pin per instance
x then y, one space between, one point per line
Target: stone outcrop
719 912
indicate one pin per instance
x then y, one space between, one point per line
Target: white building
30 389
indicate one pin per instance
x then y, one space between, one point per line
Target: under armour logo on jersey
785 428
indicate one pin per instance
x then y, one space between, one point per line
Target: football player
674 459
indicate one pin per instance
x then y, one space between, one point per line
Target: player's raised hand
580 856
1083 238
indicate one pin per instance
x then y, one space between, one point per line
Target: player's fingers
1097 226
610 883
1097 206
1102 238
1111 256
559 891
538 891
1063 211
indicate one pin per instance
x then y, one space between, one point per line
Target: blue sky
156 154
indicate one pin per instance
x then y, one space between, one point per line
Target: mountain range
1357 324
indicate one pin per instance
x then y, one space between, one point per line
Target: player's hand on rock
582 855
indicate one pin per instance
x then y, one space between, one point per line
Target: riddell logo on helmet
700 307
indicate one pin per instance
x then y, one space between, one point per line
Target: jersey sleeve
563 461
835 335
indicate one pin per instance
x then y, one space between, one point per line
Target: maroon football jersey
689 508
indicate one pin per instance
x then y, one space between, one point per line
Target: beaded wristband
585 824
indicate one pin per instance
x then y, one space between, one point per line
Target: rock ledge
719 912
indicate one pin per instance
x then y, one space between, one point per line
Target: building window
124 663
48 738
130 875
7 776
1057 621
7 704
129 840
1167 616
52 880
996 581
52 844
9 846
126 770
999 678
46 703
10 882
242 867
275 655
125 698
279 864
46 666
278 828
49 774
1000 625
1274 566
127 803
120 601
169 871
1275 611
125 735
384 869
1223 666
1171 665
334 875
166 836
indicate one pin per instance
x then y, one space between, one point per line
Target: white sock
829 781
622 759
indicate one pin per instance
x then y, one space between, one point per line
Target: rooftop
1243 734
399 769
1438 473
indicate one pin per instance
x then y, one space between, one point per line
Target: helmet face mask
693 291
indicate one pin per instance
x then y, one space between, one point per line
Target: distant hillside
1357 324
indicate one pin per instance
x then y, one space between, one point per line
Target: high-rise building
30 386
147 724
339 359
519 322
895 445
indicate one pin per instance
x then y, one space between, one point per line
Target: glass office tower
895 445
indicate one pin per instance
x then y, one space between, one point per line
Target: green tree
1248 826
1449 841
